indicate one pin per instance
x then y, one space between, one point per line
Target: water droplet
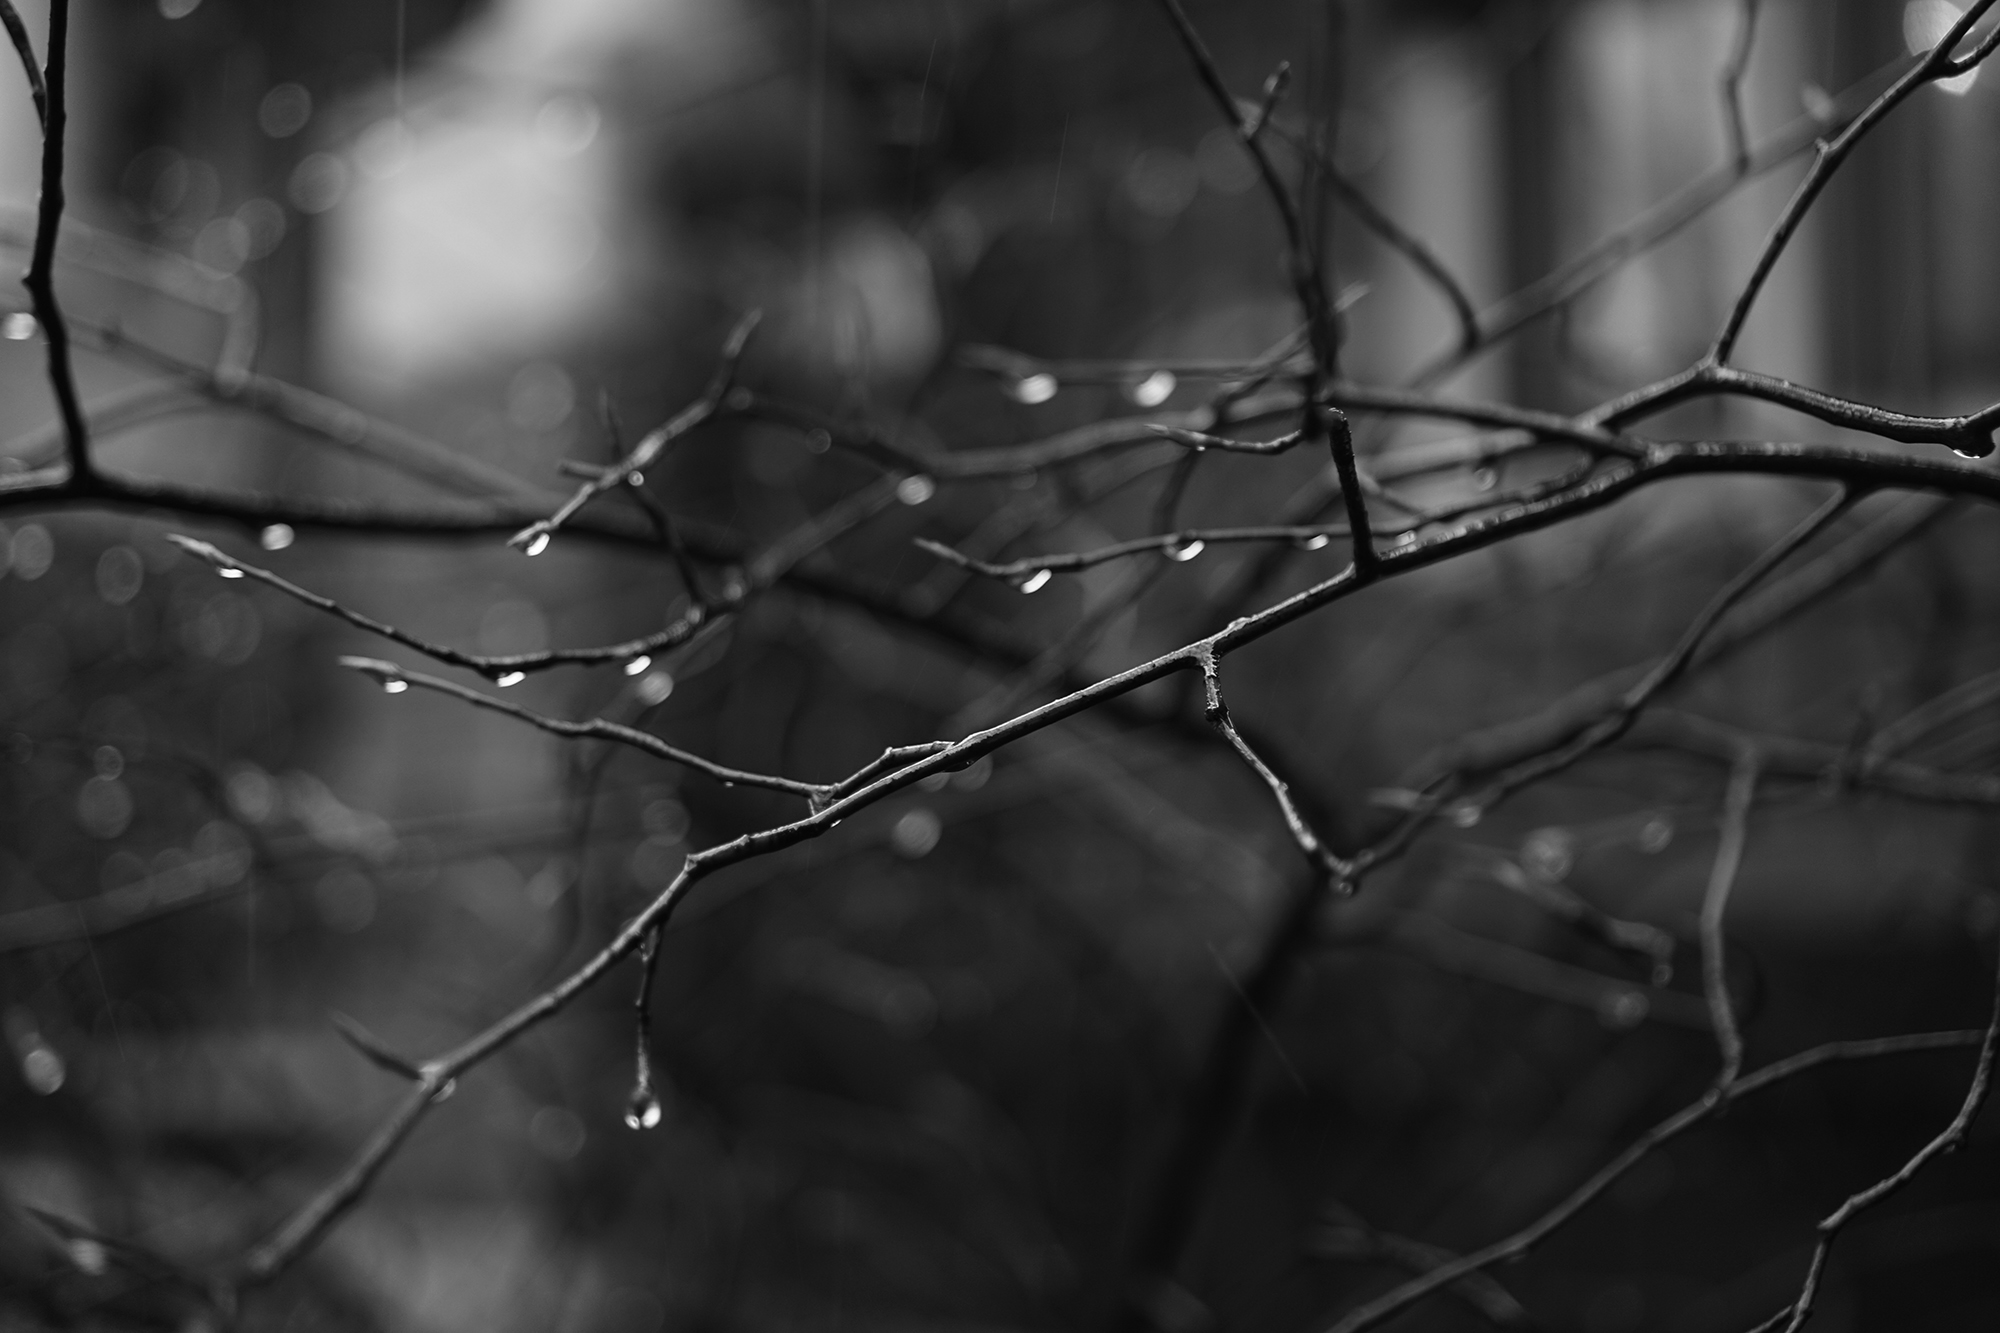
1155 389
1466 814
635 478
1036 581
228 572
1319 541
444 1093
915 490
276 537
1663 972
655 688
42 1069
19 326
1407 538
1485 478
643 1110
1623 1009
1032 389
1549 852
507 678
1187 551
537 545
1655 834
394 686
638 664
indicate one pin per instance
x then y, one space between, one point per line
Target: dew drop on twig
537 545
915 490
1032 389
1319 541
1036 581
1155 389
642 1110
507 678
227 572
276 537
1186 551
638 664
394 686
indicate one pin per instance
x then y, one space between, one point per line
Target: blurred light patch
464 235
1925 24
284 110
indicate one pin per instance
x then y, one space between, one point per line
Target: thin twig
1531 1235
1714 902
40 279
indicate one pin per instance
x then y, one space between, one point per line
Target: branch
1732 88
17 33
1935 65
40 279
1521 1242
535 538
395 680
1947 1140
1721 878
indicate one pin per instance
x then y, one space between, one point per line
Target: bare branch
534 539
1714 902
40 279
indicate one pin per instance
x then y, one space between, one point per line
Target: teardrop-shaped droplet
1155 389
1032 389
394 686
638 664
537 545
226 572
506 678
642 1110
1036 581
1186 551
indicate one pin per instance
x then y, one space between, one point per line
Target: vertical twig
40 280
1721 878
1733 120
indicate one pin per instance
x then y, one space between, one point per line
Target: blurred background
1061 1042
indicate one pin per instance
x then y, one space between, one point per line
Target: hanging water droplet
507 678
655 688
228 572
276 537
642 1110
1407 538
394 686
1155 389
1317 542
444 1093
635 478
638 664
1485 478
1032 389
18 327
1186 551
537 545
1036 581
1466 814
915 490
1663 972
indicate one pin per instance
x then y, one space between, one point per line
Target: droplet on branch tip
1036 581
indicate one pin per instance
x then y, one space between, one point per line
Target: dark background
929 1072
